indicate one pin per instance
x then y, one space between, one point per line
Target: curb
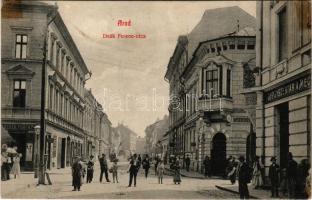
234 192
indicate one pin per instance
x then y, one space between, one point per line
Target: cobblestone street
190 188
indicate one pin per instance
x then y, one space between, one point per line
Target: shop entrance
218 154
283 133
251 147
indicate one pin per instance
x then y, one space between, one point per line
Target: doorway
283 133
63 153
218 154
251 148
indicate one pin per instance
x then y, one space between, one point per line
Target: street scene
156 99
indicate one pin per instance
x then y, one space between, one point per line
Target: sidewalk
184 173
255 194
25 180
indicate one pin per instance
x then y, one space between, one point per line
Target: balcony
215 104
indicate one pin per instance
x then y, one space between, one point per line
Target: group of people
10 164
293 180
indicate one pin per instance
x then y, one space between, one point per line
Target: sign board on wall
298 85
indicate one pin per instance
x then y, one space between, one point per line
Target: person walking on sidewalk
177 173
256 175
115 171
104 168
187 163
243 178
156 161
146 165
133 170
90 169
16 168
274 177
160 171
207 166
291 172
77 174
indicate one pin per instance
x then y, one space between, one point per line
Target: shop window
19 93
21 46
282 35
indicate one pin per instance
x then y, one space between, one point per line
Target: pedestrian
140 159
187 163
5 168
274 177
233 169
146 165
104 168
156 161
177 173
114 171
133 170
90 169
308 185
207 166
283 182
256 175
16 168
77 174
243 178
302 174
160 171
291 171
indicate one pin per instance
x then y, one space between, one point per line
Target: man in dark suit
274 177
243 178
291 172
104 168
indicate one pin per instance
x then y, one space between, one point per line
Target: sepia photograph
155 99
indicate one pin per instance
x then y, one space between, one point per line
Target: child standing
16 169
160 171
115 171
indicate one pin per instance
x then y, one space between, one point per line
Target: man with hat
274 177
243 178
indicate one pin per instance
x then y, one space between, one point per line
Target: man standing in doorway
104 168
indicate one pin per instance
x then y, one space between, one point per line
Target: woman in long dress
257 177
177 174
16 168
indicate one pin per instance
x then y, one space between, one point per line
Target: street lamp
36 141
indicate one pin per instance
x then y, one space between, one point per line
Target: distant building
140 145
128 140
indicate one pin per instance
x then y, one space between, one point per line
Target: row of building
34 36
241 85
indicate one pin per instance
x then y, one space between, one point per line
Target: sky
128 74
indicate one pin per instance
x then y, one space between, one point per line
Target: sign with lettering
299 85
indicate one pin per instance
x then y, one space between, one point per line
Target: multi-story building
127 140
283 114
31 30
105 138
140 145
208 113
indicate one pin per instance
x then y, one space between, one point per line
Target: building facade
283 115
208 114
127 140
29 29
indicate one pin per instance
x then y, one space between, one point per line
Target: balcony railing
215 104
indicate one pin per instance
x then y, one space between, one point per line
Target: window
224 46
218 48
19 93
250 45
241 45
57 62
212 48
51 97
52 49
282 35
228 83
212 82
21 46
232 45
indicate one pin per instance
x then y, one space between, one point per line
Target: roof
219 22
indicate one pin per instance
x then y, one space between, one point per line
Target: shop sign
291 88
